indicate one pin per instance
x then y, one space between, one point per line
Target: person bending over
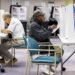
14 29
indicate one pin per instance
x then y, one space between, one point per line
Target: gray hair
7 16
36 14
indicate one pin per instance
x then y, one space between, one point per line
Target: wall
0 4
5 4
59 2
30 5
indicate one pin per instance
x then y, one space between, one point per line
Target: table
3 35
66 41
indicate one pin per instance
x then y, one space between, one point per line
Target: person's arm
6 31
52 27
40 33
10 29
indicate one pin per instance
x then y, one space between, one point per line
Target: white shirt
16 28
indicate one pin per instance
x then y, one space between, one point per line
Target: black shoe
12 62
2 61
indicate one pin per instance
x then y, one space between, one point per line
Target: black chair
24 26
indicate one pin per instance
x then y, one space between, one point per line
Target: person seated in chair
41 32
51 22
14 29
37 29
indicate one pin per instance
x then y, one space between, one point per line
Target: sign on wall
19 12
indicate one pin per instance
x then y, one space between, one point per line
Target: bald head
7 18
7 15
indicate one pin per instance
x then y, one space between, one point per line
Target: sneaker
12 62
2 61
46 71
53 68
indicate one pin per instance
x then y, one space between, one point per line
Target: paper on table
3 34
56 29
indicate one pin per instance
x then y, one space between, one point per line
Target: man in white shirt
15 28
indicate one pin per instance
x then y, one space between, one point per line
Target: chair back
32 44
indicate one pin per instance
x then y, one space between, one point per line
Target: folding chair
34 49
21 46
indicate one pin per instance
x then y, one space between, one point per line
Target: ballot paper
54 30
2 35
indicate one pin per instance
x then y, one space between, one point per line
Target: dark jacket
39 32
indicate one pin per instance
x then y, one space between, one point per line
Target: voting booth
21 13
67 19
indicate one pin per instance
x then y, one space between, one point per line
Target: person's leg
2 60
4 52
58 51
58 54
4 47
45 68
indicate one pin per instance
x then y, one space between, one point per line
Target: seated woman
41 32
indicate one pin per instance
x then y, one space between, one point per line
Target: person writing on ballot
13 27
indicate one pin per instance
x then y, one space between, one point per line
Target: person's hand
6 31
52 27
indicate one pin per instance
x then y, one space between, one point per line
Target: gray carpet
19 67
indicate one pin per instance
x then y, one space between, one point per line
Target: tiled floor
21 54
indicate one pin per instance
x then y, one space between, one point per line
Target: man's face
7 20
41 18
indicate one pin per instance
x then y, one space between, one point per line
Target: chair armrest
43 43
42 50
56 45
19 38
38 52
